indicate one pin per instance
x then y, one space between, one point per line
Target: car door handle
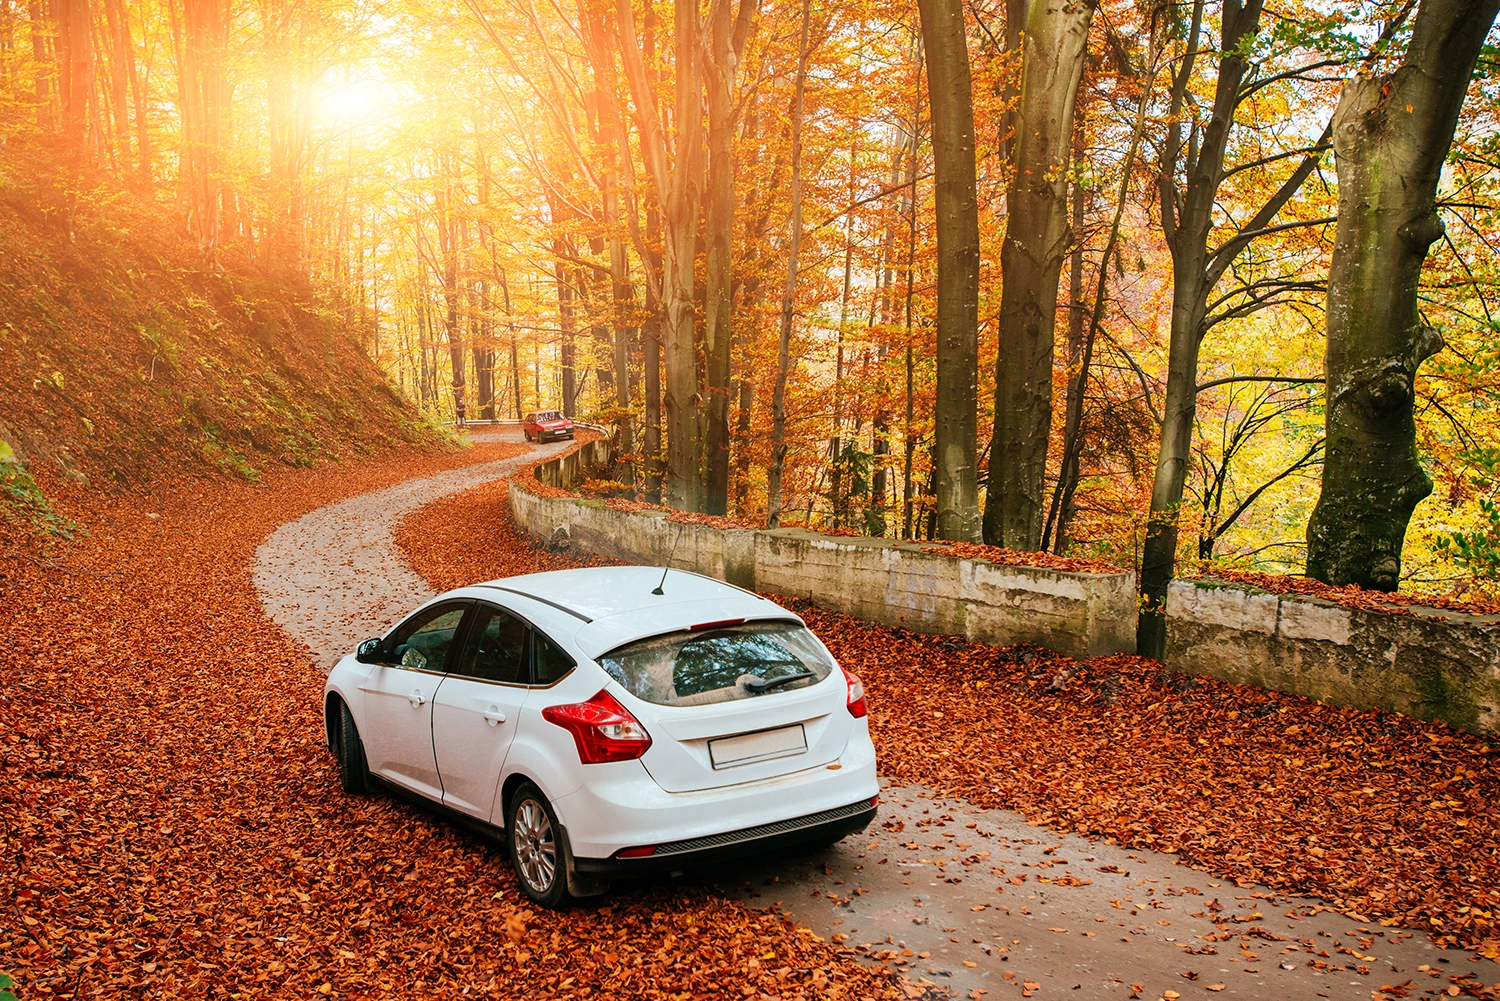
494 716
415 698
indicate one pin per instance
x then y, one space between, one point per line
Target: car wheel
354 772
533 837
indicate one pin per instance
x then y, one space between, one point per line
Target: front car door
476 711
398 694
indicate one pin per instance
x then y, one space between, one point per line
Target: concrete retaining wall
646 537
573 466
1432 665
894 583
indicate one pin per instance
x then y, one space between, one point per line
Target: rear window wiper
765 684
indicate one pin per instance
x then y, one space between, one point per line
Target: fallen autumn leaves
173 825
1380 814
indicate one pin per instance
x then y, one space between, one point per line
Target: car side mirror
368 651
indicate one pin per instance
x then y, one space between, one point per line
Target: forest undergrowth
1385 817
173 825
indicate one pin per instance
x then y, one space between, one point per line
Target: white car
609 721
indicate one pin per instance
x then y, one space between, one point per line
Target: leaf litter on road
173 825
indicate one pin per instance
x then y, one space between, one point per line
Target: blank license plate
744 749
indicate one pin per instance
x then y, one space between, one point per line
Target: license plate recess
763 745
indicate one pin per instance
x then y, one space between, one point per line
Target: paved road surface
962 899
334 576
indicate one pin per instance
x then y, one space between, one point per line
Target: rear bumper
826 825
620 806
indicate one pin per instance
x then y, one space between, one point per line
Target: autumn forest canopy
1162 284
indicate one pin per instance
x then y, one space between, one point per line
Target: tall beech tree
729 23
954 452
1037 241
200 30
1189 192
788 296
677 176
1391 135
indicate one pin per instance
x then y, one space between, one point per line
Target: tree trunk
121 58
794 247
623 300
1037 239
484 354
75 59
727 32
909 442
955 464
742 460
515 361
651 349
448 237
838 509
680 213
1015 31
201 93
678 183
43 68
622 295
1083 335
138 95
1060 512
1391 135
1187 220
566 323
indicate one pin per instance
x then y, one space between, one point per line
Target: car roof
604 607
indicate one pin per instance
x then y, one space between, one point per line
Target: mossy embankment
127 360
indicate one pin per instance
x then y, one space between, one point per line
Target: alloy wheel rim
536 849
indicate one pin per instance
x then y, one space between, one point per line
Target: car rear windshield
697 668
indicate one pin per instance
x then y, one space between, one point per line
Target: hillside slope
124 360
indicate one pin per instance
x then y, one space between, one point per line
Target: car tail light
603 729
857 707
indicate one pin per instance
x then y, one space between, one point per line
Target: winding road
961 900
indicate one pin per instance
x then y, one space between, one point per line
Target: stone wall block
1433 664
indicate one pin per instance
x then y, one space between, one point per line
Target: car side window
422 642
550 663
496 648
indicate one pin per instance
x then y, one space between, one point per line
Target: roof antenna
673 552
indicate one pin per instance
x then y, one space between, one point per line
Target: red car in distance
546 425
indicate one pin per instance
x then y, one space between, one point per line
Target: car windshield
548 415
719 665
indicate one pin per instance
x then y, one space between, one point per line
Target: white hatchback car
610 721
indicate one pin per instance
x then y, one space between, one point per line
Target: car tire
354 771
537 849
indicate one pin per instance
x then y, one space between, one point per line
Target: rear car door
397 721
478 707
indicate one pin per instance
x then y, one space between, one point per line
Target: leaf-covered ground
1382 815
172 825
